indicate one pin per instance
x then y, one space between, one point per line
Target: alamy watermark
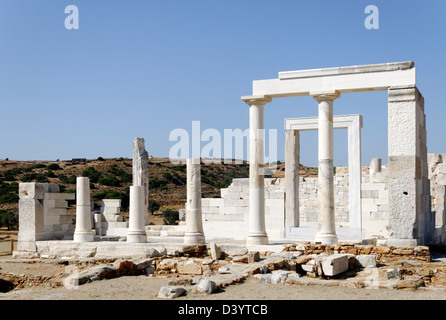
72 20
228 148
372 20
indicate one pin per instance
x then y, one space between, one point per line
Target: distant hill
111 178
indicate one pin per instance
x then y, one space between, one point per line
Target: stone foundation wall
383 254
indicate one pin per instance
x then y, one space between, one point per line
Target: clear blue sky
143 68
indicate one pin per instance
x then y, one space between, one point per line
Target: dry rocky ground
45 279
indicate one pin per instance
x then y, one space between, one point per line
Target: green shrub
54 166
41 178
100 159
155 183
110 181
64 179
50 174
9 198
170 217
38 166
28 177
9 220
92 174
153 206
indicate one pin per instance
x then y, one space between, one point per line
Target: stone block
170 292
366 261
253 256
216 202
334 264
31 190
215 251
65 219
60 196
206 286
54 211
189 267
31 217
55 203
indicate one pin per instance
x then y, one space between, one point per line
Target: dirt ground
147 287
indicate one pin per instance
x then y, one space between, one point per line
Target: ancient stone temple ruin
397 204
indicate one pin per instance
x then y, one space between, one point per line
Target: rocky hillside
111 178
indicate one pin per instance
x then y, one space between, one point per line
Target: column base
326 238
194 238
136 237
83 236
257 239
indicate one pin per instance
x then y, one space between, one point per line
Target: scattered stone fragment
224 270
189 267
284 255
233 250
152 253
170 292
253 256
206 286
124 267
215 251
366 261
279 276
264 278
334 264
180 282
241 259
142 264
410 284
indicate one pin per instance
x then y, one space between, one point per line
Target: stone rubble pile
196 268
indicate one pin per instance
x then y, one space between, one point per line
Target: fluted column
194 223
137 231
257 230
326 228
83 231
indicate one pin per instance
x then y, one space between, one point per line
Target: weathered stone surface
141 264
170 292
334 264
410 284
241 259
381 250
264 278
140 170
279 276
124 266
232 250
206 286
152 253
166 265
253 256
189 267
194 250
215 251
366 261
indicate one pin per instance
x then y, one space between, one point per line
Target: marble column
326 228
194 223
257 230
355 176
292 178
137 231
140 170
84 231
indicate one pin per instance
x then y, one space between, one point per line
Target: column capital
329 95
256 100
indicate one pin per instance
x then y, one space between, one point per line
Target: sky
144 68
